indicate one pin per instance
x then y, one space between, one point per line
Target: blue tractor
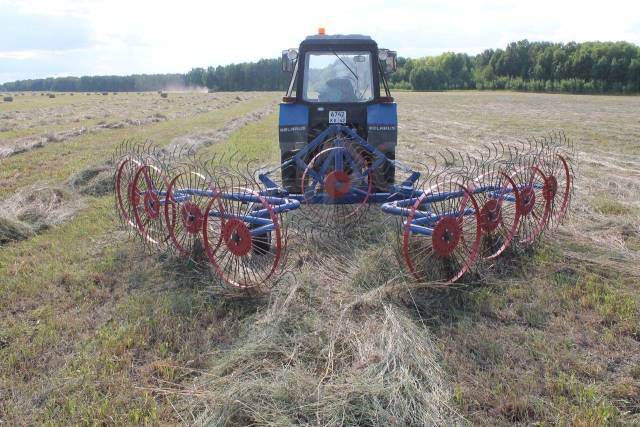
338 121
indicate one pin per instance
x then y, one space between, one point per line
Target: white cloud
128 36
21 55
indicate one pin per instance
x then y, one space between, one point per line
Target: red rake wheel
341 175
499 201
240 258
558 186
188 194
125 174
453 246
146 195
534 204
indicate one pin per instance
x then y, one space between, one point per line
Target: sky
52 38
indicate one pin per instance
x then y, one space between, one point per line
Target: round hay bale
8 99
51 95
164 95
105 93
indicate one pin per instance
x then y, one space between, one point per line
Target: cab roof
337 40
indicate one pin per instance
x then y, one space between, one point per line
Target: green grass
94 330
254 141
81 314
58 162
611 207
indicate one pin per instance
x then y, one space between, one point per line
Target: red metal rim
150 224
133 195
170 214
471 248
508 233
490 215
446 236
237 237
337 184
125 181
118 187
533 219
564 204
184 216
219 227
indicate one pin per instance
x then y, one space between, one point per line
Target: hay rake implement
338 158
449 221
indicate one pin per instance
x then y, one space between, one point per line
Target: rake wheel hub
237 237
527 200
191 217
337 184
490 216
151 204
446 236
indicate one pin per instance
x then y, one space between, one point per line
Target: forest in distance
588 67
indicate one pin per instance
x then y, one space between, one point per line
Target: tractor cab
336 80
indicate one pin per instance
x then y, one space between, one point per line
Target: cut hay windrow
35 209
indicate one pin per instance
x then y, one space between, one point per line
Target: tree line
265 74
132 83
531 66
590 67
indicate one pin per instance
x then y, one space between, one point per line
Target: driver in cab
337 90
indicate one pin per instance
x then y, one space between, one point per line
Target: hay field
95 330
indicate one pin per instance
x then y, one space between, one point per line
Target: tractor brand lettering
284 129
381 128
337 117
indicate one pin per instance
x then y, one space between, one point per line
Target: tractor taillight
386 99
288 99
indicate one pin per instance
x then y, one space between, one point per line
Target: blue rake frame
259 217
398 201
339 157
424 221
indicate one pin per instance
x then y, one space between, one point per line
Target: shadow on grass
478 294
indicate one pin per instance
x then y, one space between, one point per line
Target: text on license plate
337 117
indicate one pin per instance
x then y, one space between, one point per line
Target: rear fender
293 126
382 126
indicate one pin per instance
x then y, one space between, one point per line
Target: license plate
339 117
